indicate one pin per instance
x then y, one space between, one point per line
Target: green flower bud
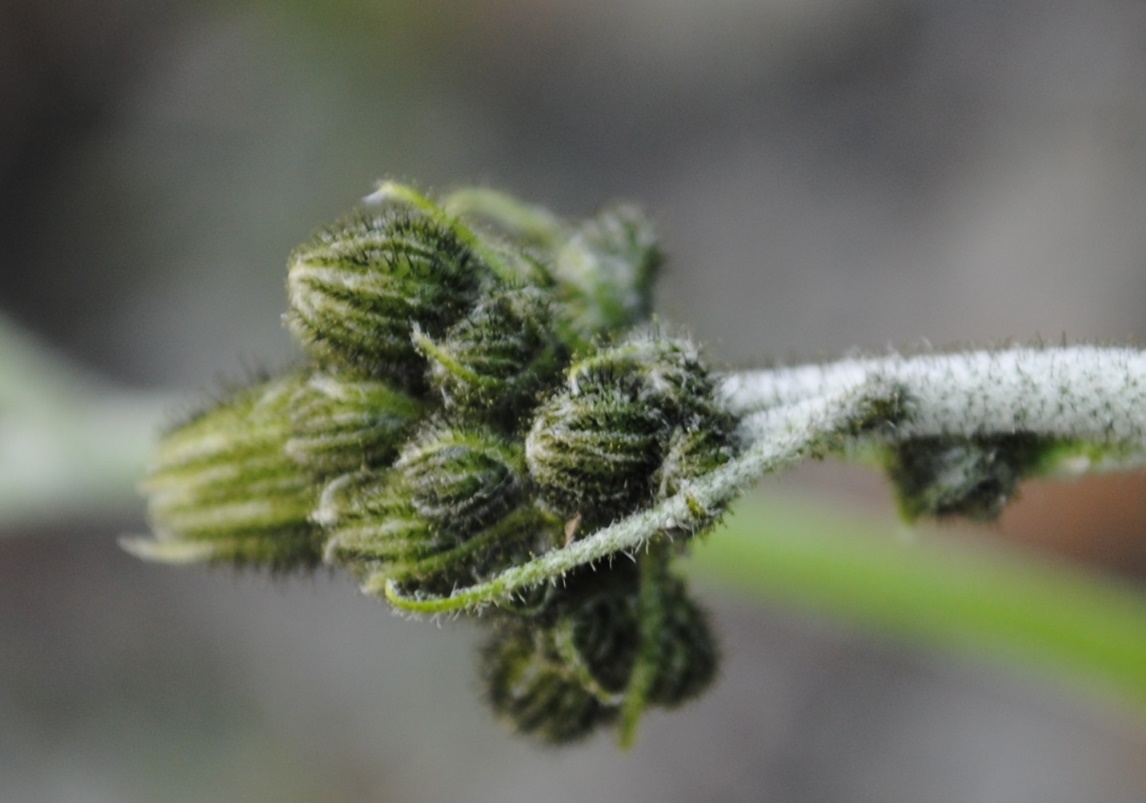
451 512
461 480
607 269
702 446
666 372
954 477
340 425
597 632
575 666
593 454
633 422
507 256
686 655
492 363
222 488
359 288
529 686
636 618
372 524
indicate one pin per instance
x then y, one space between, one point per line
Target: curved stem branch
800 428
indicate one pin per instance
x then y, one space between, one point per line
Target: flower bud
371 524
694 450
633 422
953 477
664 371
597 632
572 668
607 269
491 364
461 480
359 288
593 454
340 424
450 512
600 632
687 654
528 685
222 488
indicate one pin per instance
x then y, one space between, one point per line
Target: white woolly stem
1083 395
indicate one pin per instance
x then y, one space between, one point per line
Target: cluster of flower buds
479 390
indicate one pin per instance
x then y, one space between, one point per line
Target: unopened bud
574 667
608 267
491 364
687 655
528 685
222 488
633 422
593 454
452 510
359 288
371 524
340 424
957 477
462 480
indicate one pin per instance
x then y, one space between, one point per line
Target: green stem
654 570
1063 621
69 444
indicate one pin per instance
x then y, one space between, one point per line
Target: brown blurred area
827 175
1097 520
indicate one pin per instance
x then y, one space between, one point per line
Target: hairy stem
1087 396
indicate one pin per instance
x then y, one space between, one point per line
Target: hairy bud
371 524
974 478
687 654
359 288
529 686
608 645
607 269
461 480
491 364
451 511
593 454
340 424
222 488
632 422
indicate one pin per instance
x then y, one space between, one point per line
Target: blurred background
827 174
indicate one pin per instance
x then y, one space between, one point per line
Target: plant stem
70 445
1086 395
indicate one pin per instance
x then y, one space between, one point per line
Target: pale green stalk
70 445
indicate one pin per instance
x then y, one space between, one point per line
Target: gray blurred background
827 174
